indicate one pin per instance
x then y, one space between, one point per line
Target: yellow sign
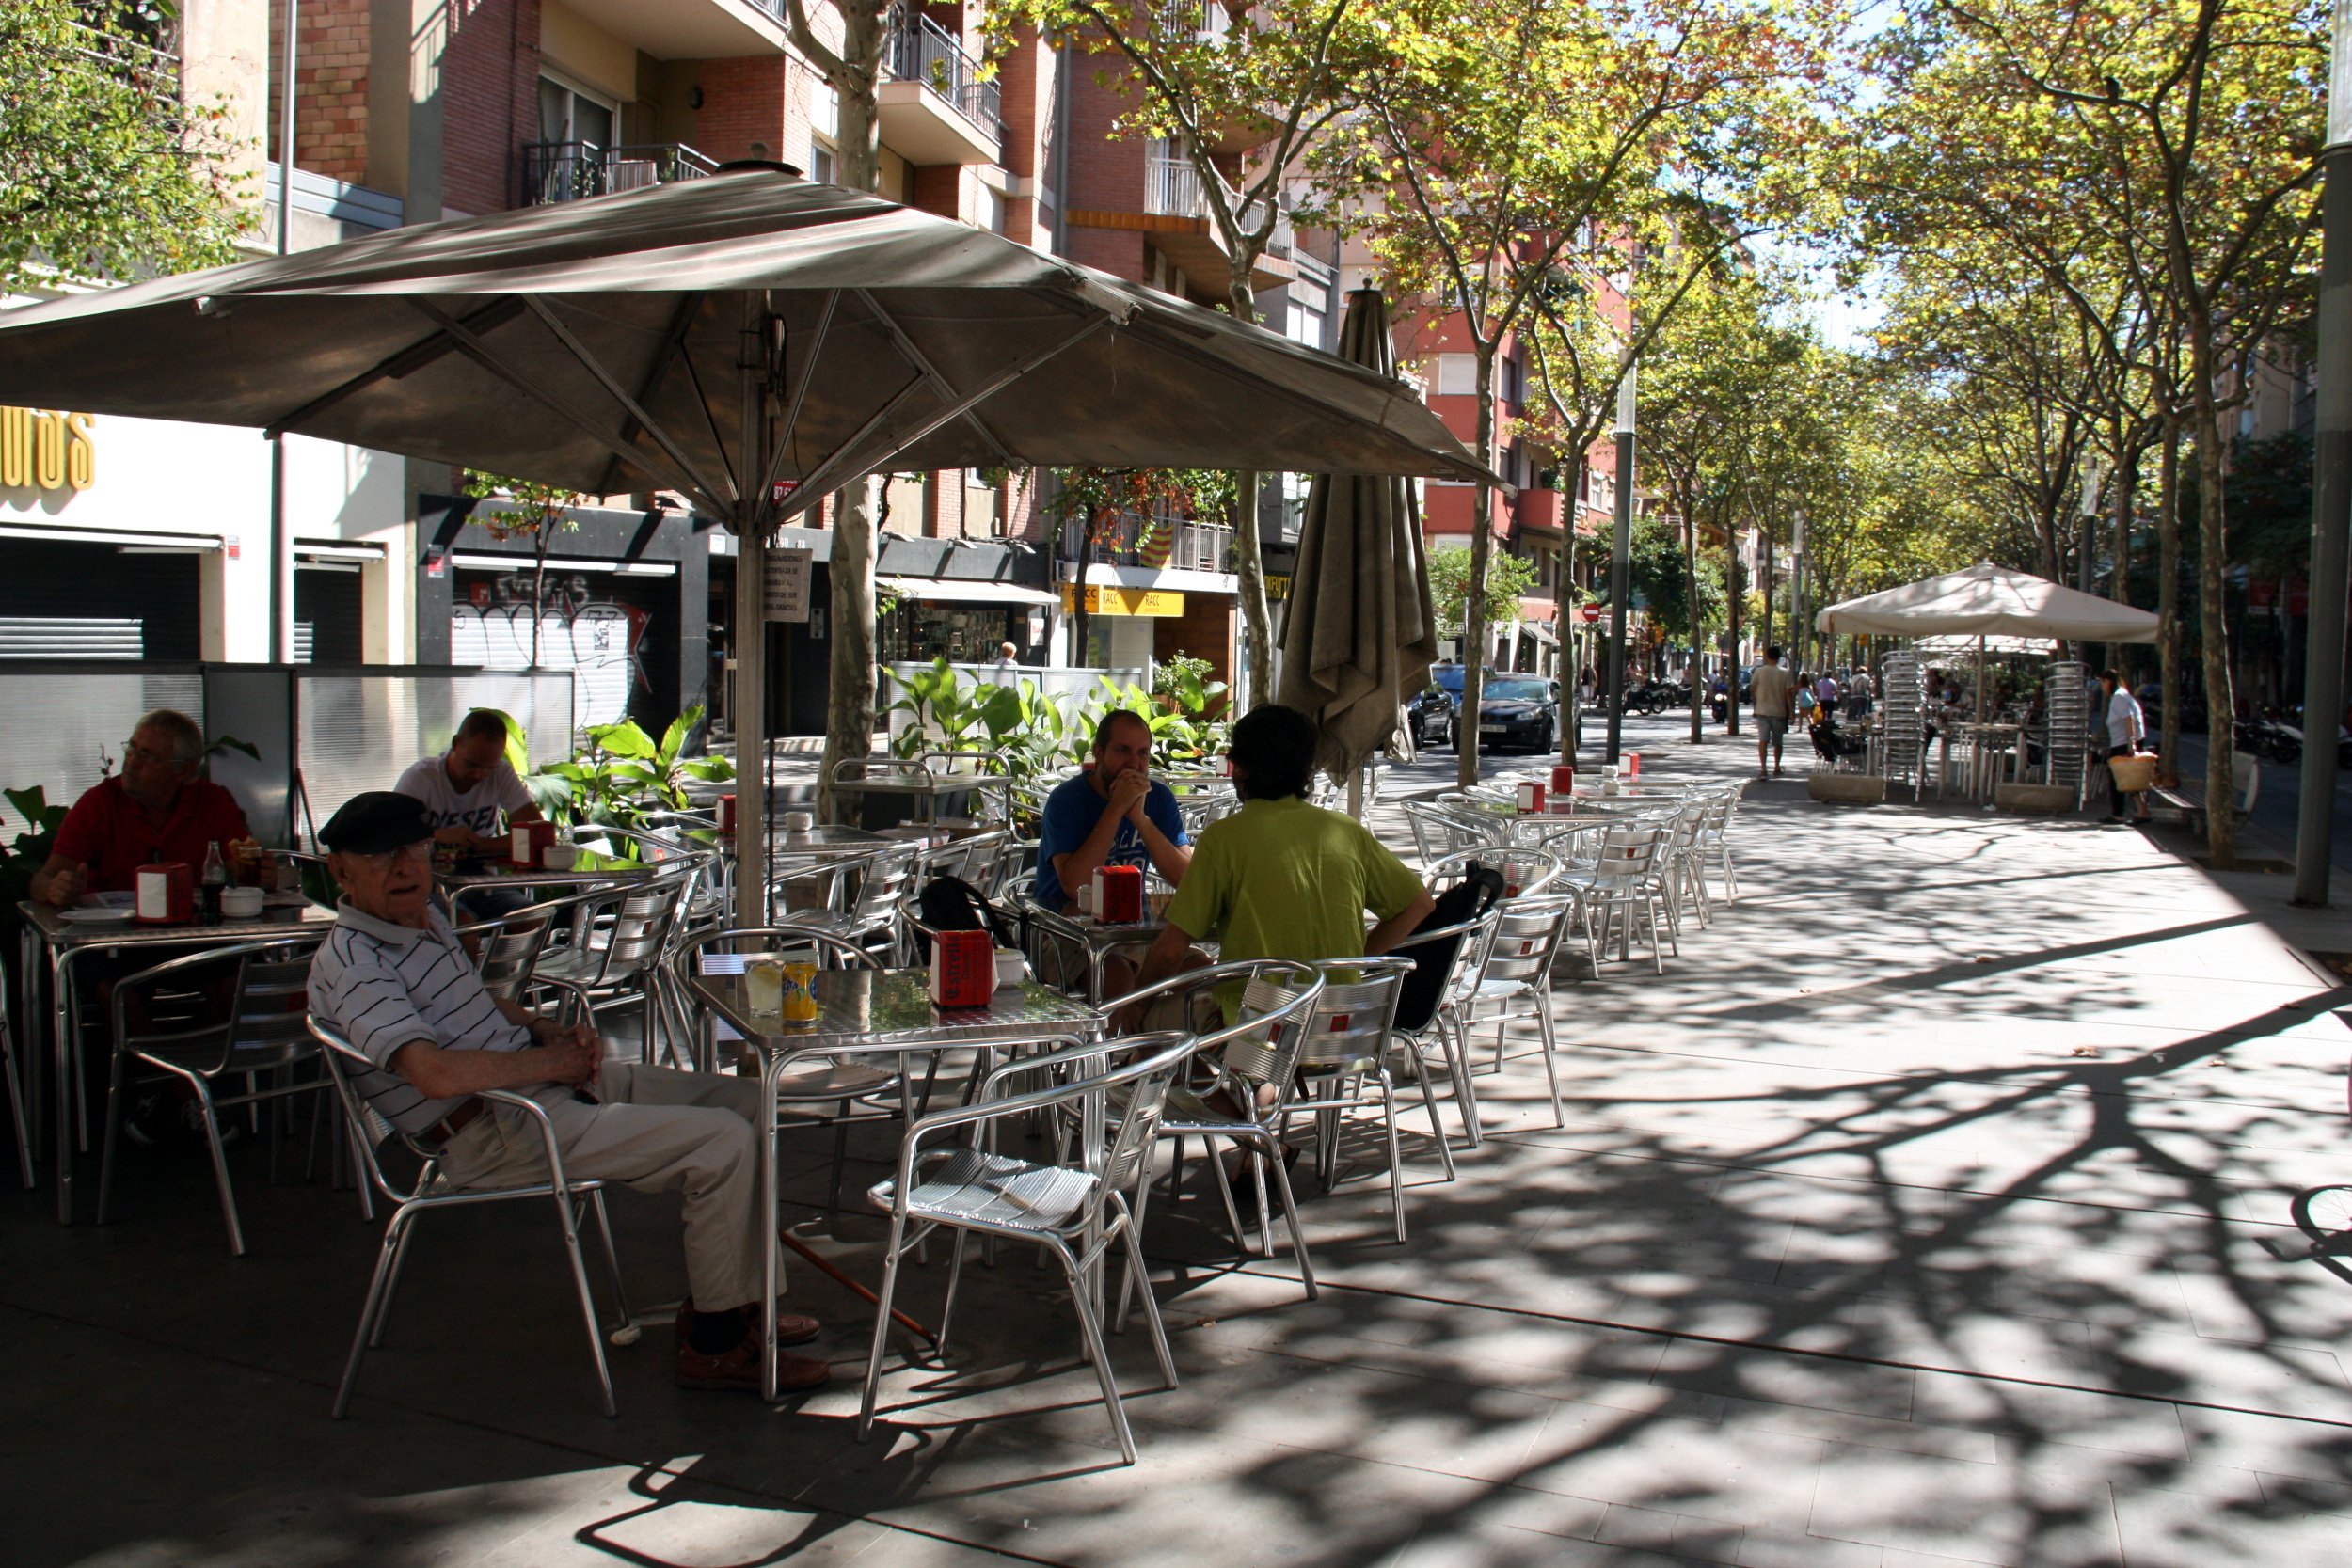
1123 601
1276 587
42 449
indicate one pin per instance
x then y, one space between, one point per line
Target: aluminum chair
871 919
1514 980
1715 842
1627 878
1442 1028
431 1190
1260 1047
620 940
1342 1052
1077 1212
194 1037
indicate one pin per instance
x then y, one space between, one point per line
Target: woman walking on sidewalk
2126 728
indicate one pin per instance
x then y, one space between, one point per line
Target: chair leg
1551 1068
16 1095
1081 1298
1138 1271
1224 1192
568 1220
372 1309
611 1259
115 1091
220 1170
1299 1235
391 1287
881 1343
1457 1040
955 1286
840 1154
1396 1156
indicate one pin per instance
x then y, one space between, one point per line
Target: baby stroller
1833 745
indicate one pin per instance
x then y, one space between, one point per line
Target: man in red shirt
155 810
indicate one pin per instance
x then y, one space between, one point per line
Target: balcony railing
922 51
1170 544
1172 187
574 171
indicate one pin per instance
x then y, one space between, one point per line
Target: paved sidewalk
1909 1218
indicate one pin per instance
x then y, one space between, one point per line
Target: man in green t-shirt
1280 879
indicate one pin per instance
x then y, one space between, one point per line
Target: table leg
65 1022
29 970
771 1216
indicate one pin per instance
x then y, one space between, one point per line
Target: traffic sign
1590 612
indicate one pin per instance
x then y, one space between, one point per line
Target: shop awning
951 591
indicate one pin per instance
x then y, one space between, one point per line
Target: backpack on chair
1480 890
952 904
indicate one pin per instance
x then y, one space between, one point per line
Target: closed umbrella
1359 632
752 341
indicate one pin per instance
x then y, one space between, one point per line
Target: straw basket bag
2135 773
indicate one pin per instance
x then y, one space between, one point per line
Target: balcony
936 108
1539 508
575 170
1181 228
1165 544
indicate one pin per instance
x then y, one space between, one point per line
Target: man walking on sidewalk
1772 692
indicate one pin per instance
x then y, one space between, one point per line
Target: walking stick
839 1279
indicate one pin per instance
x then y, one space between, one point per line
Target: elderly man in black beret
394 980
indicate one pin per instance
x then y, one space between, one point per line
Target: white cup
799 821
560 856
241 903
763 984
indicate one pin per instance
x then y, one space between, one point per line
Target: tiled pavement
1910 1219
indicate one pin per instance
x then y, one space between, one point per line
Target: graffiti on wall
600 642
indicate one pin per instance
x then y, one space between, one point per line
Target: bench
2185 803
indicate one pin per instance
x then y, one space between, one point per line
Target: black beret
375 822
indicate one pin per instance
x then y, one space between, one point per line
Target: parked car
1430 715
1516 711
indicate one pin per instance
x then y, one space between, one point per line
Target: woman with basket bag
2129 772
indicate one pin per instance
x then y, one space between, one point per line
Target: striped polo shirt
386 986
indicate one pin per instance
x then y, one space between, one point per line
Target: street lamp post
1620 562
1796 595
281 610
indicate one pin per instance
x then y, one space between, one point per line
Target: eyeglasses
132 749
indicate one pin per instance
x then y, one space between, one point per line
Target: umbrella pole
751 635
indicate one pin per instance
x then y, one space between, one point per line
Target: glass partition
361 727
66 721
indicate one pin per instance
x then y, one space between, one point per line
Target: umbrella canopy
595 345
1946 646
1358 633
1990 601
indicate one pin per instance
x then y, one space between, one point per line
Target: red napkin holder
1531 795
530 841
726 813
1563 778
166 893
963 969
1118 894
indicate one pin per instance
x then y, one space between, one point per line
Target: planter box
1853 790
2034 798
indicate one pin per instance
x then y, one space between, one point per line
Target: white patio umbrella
752 341
1985 601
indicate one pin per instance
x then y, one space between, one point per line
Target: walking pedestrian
2126 728
1773 694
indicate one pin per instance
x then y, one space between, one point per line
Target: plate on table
97 914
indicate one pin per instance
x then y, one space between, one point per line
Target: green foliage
623 773
1659 577
1183 679
1507 577
29 852
2269 505
103 171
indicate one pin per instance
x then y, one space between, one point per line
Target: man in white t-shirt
466 789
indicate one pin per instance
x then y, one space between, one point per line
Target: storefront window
915 632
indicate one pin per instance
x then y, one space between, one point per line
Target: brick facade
744 111
330 86
489 101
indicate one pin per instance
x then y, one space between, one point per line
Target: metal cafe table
55 938
870 1012
1100 938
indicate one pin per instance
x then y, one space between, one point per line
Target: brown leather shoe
739 1368
792 1328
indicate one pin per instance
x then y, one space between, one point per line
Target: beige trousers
656 1130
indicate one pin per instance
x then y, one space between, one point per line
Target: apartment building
150 540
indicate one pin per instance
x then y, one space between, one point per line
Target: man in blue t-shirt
1113 814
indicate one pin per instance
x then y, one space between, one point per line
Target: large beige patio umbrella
1985 600
1358 633
752 341
1988 602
